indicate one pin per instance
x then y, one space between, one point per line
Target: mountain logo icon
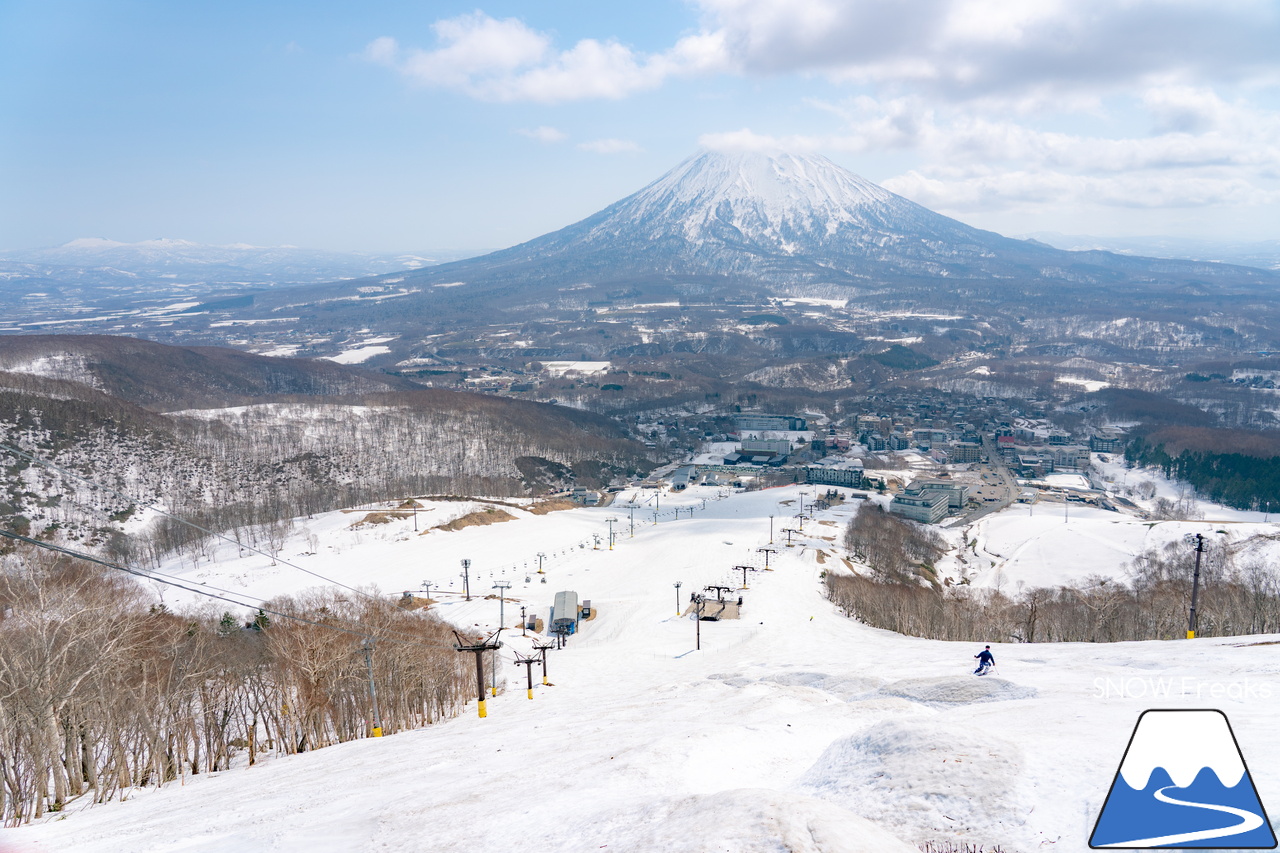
1183 783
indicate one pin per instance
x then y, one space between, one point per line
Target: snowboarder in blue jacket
986 660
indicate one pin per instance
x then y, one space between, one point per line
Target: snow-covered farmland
793 728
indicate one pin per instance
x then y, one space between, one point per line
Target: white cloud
1012 190
996 48
1027 54
544 134
969 162
505 60
382 51
987 95
610 146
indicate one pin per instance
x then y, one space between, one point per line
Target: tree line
1234 479
1237 596
103 691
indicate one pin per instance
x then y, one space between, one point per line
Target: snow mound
845 687
922 779
953 690
744 820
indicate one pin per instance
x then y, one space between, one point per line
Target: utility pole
610 522
770 529
367 648
744 569
466 577
415 514
541 648
633 521
524 623
1195 587
489 644
678 584
767 552
501 587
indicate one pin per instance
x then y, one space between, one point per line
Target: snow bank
922 778
949 691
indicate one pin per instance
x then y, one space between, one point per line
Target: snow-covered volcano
761 198
762 219
768 215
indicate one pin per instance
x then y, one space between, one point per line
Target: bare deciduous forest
102 691
245 471
1237 596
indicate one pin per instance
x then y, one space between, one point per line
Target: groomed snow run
793 729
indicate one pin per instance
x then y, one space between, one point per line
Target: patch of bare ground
375 518
480 518
822 556
544 507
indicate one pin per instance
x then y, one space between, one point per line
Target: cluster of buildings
773 452
1029 445
956 443
930 501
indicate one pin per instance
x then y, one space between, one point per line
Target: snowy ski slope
793 728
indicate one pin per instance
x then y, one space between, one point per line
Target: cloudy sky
396 126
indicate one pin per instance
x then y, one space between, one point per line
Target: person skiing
986 660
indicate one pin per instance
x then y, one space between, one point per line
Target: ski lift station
564 613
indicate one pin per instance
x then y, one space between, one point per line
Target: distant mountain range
186 260
1263 254
94 271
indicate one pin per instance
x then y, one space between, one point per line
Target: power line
71 552
40 461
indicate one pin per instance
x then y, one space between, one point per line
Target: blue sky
399 126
